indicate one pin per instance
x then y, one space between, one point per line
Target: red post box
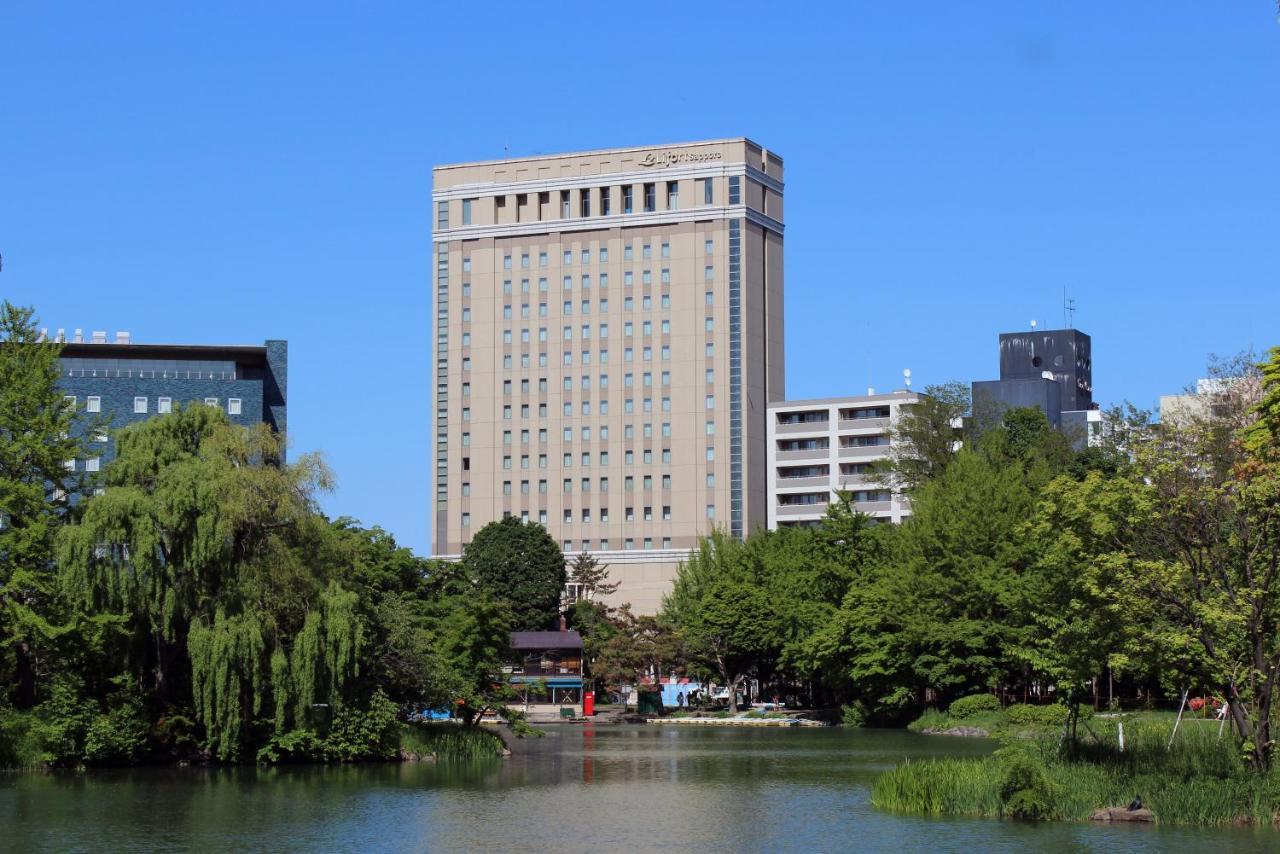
588 703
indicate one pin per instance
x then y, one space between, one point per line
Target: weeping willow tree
213 548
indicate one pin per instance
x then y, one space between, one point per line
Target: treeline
192 602
1150 561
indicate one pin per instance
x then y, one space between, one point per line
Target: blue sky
246 171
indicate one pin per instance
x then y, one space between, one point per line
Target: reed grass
448 741
1200 781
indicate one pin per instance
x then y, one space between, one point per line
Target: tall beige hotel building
608 337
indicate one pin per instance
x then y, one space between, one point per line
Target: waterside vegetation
191 602
1199 780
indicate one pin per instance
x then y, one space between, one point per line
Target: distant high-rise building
608 332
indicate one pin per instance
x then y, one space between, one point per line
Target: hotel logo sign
663 159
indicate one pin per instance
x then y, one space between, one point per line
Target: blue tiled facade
119 375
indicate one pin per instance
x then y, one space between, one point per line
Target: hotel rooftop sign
663 159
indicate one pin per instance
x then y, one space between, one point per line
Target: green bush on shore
968 706
982 711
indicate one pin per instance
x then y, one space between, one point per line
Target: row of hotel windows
628 327
525 515
566 334
628 482
822 443
628 457
628 304
566 357
602 196
628 431
584 255
628 381
628 280
628 407
93 403
820 416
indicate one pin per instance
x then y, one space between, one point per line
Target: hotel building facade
608 332
818 448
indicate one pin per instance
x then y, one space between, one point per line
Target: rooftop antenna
1033 326
906 376
1068 309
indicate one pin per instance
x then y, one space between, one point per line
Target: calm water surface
582 788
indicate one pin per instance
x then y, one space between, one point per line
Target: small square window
93 403
140 405
164 405
233 406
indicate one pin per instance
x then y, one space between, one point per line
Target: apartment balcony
871 508
872 452
794 511
817 454
865 425
790 482
802 427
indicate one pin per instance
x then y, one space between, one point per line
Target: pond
581 788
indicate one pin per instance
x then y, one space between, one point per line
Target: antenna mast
1068 309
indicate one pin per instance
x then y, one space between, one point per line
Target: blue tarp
670 691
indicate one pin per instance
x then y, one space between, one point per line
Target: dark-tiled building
114 384
1051 370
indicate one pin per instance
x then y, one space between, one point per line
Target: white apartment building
819 447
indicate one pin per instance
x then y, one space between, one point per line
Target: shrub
20 740
364 733
296 745
1024 791
118 737
931 719
1054 715
854 714
356 734
968 706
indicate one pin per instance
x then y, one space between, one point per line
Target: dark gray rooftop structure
1051 370
1066 353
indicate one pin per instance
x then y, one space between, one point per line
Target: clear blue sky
246 171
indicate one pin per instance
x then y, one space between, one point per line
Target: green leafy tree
1199 553
637 648
213 549
728 623
35 444
1262 437
1082 623
472 644
395 603
936 617
519 564
592 577
927 435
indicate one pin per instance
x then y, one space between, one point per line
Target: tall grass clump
450 741
931 719
1200 780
